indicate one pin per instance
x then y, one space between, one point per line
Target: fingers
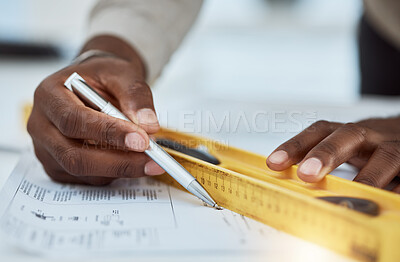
294 150
396 189
335 149
75 120
331 144
56 173
89 161
84 160
135 100
382 167
60 124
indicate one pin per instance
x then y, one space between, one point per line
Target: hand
77 144
371 145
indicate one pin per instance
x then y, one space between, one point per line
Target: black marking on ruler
193 152
358 204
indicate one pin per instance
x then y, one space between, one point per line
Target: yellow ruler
242 182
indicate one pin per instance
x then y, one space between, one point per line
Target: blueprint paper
129 216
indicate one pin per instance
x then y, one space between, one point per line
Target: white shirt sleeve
155 28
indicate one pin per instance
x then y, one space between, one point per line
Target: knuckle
123 169
41 90
39 154
66 121
294 144
37 95
390 151
369 179
355 130
70 159
327 152
30 126
52 107
327 148
109 131
69 122
138 89
319 125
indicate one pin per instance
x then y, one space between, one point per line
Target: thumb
136 102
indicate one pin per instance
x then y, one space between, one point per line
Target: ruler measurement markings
354 239
322 223
216 181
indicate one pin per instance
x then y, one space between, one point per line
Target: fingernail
311 167
152 169
278 157
135 142
146 116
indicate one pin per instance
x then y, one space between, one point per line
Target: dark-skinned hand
372 145
77 144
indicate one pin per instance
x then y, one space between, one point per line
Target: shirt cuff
153 28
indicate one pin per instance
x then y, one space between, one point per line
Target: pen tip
217 207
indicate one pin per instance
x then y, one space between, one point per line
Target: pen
78 85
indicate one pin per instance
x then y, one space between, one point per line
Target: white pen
78 85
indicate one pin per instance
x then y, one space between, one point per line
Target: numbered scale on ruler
350 218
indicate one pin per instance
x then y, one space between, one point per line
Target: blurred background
296 58
244 50
249 45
